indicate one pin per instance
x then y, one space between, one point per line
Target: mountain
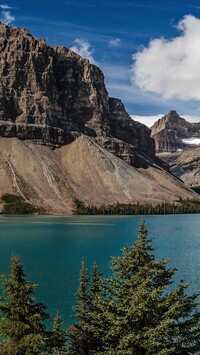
185 165
51 95
176 142
63 137
171 132
52 179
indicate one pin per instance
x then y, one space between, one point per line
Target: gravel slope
84 170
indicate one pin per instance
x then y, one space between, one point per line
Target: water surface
51 249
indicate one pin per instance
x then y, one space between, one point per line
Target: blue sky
149 50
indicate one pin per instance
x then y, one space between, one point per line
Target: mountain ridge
62 137
52 95
174 137
169 131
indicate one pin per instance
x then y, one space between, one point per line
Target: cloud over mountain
170 67
6 16
84 48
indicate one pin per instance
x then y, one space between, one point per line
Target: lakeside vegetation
181 206
152 317
13 204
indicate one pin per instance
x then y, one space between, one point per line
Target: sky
148 50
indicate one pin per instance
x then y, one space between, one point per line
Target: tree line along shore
181 206
17 205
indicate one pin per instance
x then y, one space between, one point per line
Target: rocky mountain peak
169 131
51 95
172 114
171 119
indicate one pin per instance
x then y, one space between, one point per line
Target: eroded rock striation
51 95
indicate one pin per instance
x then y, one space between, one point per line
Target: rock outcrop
51 95
169 131
185 165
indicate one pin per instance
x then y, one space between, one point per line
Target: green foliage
137 314
181 206
9 198
80 337
16 205
134 312
79 206
84 337
58 336
22 319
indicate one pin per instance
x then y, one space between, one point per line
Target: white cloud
115 42
7 17
5 7
191 118
147 120
150 120
170 68
84 48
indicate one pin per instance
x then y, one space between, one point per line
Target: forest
180 207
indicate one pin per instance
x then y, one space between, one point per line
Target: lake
52 247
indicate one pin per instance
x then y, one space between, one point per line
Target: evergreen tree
59 336
95 325
136 313
86 333
21 324
144 318
79 336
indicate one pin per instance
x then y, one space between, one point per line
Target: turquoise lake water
51 249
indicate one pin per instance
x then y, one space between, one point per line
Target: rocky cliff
51 95
170 130
63 137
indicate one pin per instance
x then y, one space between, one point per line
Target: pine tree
59 336
21 324
79 336
86 333
144 318
137 313
95 325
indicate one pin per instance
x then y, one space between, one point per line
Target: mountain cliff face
63 137
52 95
169 131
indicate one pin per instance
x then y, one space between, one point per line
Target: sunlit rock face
48 92
51 95
177 143
172 132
